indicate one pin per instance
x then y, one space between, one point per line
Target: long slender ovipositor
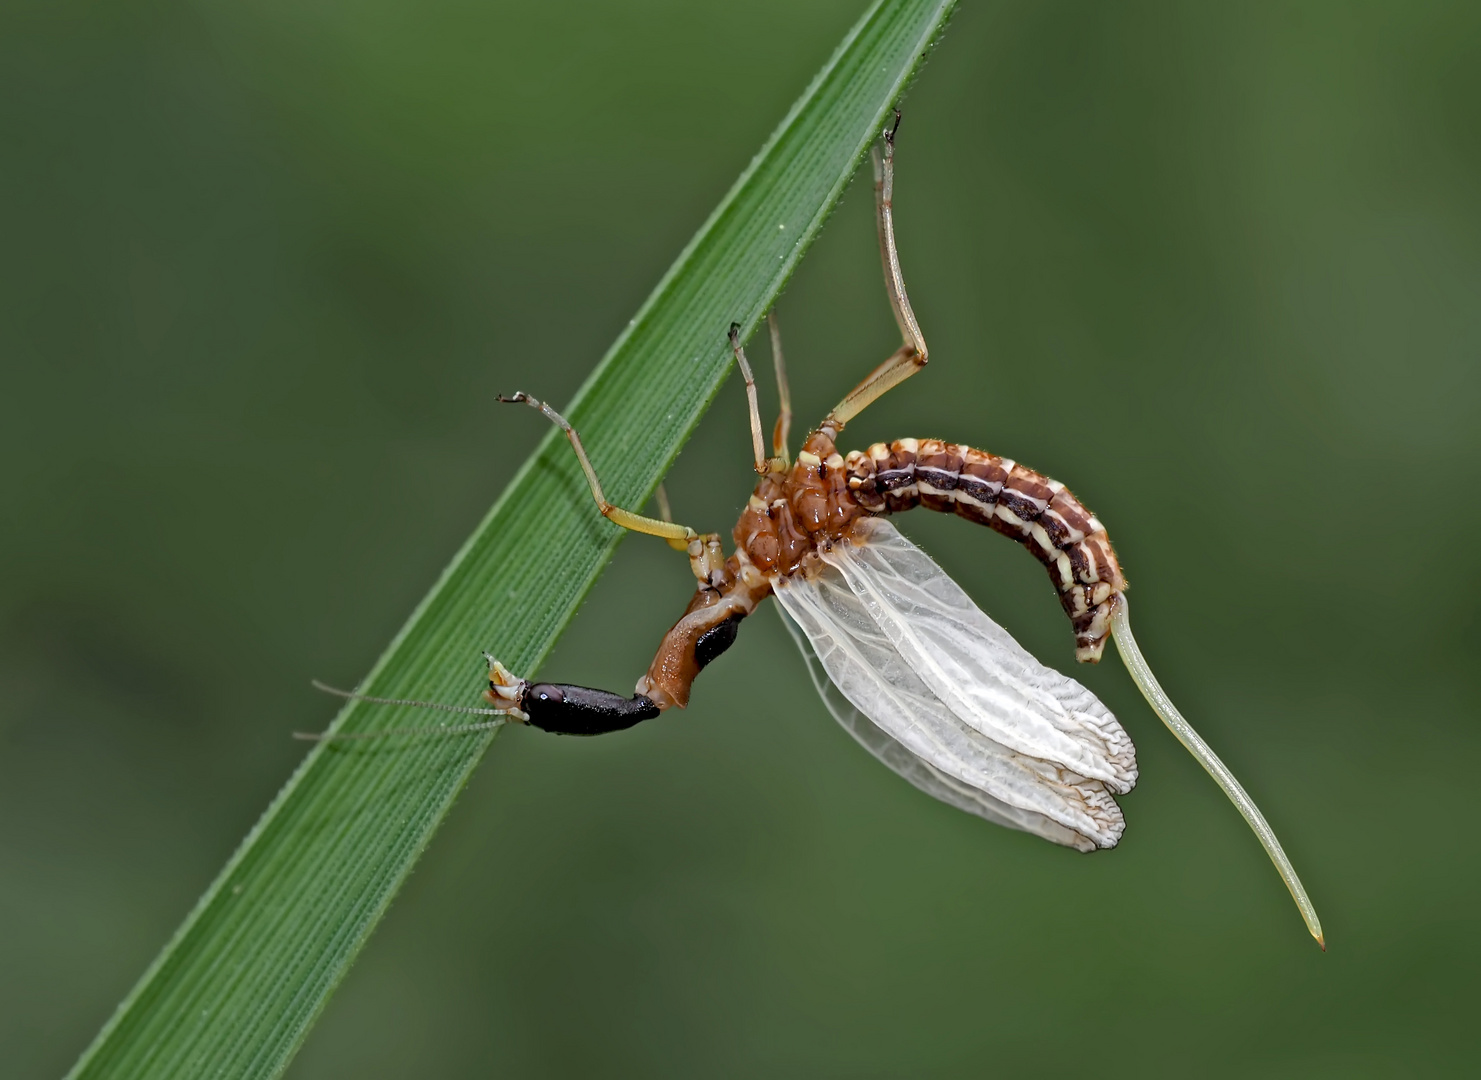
904 659
1162 705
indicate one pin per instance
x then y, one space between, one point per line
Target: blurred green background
265 266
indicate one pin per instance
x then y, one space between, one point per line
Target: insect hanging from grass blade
902 657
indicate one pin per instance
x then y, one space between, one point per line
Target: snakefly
902 657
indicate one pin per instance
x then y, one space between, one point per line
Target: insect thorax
795 512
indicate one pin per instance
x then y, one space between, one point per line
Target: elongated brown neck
1040 513
705 630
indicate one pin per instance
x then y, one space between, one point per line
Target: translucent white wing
972 664
919 772
1036 794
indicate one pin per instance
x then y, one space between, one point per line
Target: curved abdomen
1038 512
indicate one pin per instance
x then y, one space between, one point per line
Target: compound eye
545 692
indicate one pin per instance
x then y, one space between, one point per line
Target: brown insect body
705 630
796 511
1041 514
959 710
791 513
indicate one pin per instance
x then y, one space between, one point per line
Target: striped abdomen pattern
1038 512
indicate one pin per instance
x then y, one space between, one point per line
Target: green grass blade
237 989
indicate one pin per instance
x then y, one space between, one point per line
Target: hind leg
912 354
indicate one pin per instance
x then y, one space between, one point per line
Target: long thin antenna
440 729
1156 697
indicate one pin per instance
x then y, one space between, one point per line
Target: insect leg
757 444
784 415
678 536
912 355
706 555
902 364
884 195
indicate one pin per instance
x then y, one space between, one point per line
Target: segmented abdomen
1038 512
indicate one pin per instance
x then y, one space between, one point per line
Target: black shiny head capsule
577 710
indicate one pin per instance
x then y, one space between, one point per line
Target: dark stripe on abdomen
1040 513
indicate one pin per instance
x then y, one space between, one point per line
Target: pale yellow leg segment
912 355
758 444
780 433
706 555
678 536
1156 697
707 560
904 363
